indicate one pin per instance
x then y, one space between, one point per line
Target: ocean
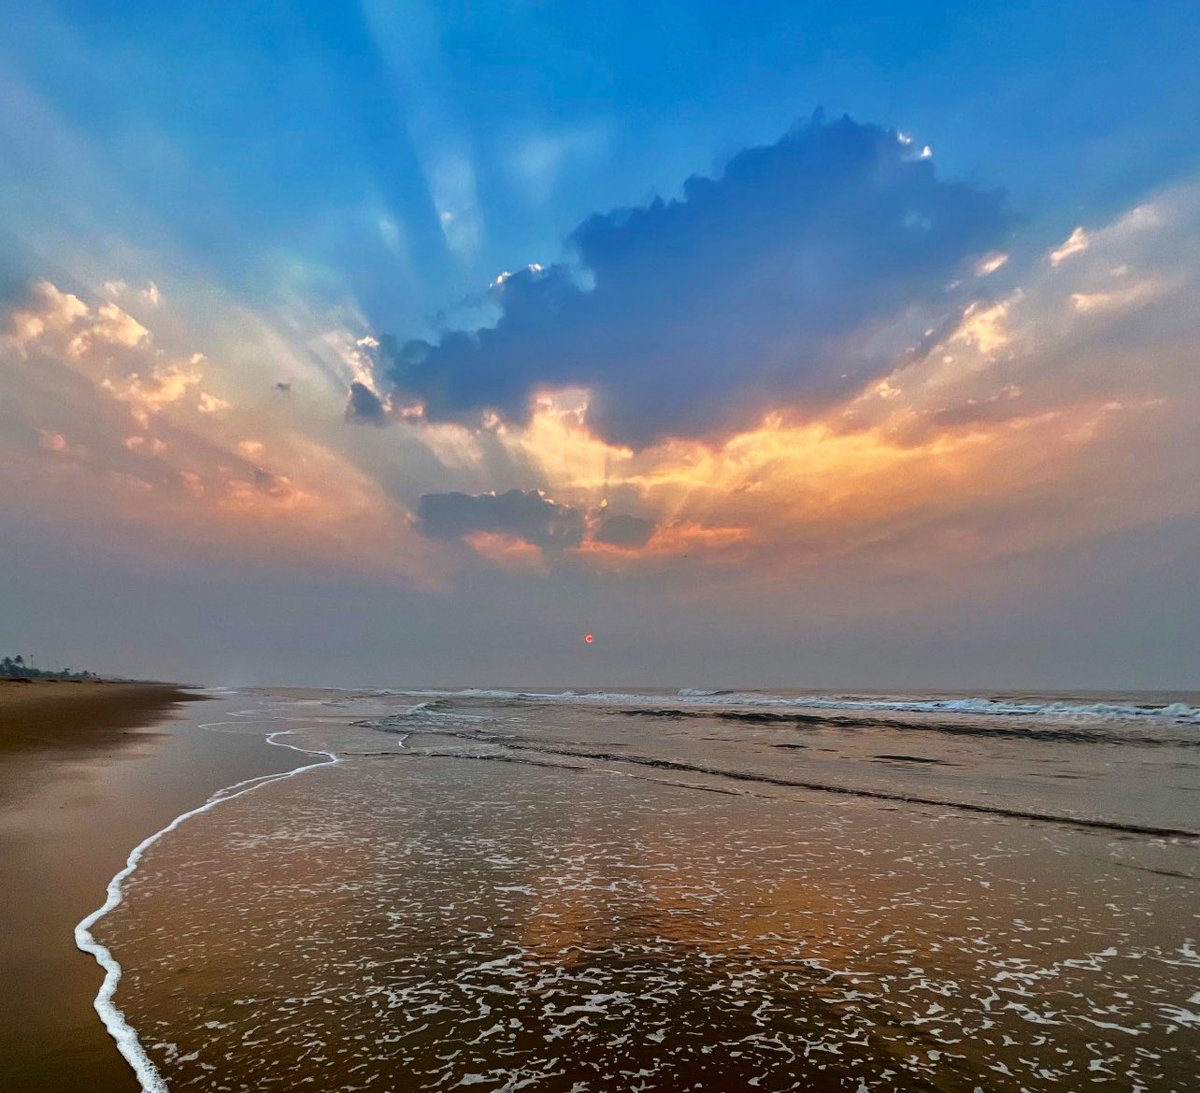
661 890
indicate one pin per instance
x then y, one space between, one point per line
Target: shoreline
87 772
494 878
126 1037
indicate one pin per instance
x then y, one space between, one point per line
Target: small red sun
587 638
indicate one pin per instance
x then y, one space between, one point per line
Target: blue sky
416 304
270 134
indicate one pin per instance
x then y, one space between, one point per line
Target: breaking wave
999 707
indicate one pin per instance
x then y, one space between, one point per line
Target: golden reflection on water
428 920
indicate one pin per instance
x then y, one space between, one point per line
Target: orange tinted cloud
1058 405
1002 432
188 471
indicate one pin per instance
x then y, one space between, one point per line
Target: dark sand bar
87 770
44 714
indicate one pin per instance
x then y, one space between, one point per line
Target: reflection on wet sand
416 917
86 771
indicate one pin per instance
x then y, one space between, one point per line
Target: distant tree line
16 668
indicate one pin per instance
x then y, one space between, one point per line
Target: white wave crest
1178 712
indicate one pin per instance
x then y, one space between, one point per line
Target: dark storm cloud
764 284
364 407
625 531
523 514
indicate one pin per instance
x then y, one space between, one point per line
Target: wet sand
61 715
511 894
87 770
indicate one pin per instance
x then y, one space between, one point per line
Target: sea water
680 890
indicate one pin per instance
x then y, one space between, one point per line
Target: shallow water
67 822
568 894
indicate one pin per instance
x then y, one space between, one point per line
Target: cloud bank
1053 403
792 277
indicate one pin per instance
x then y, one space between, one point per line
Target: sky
846 345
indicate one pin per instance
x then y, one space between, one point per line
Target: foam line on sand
118 1028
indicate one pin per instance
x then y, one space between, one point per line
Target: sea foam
119 1029
1178 712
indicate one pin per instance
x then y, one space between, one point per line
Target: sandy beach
86 771
51 714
